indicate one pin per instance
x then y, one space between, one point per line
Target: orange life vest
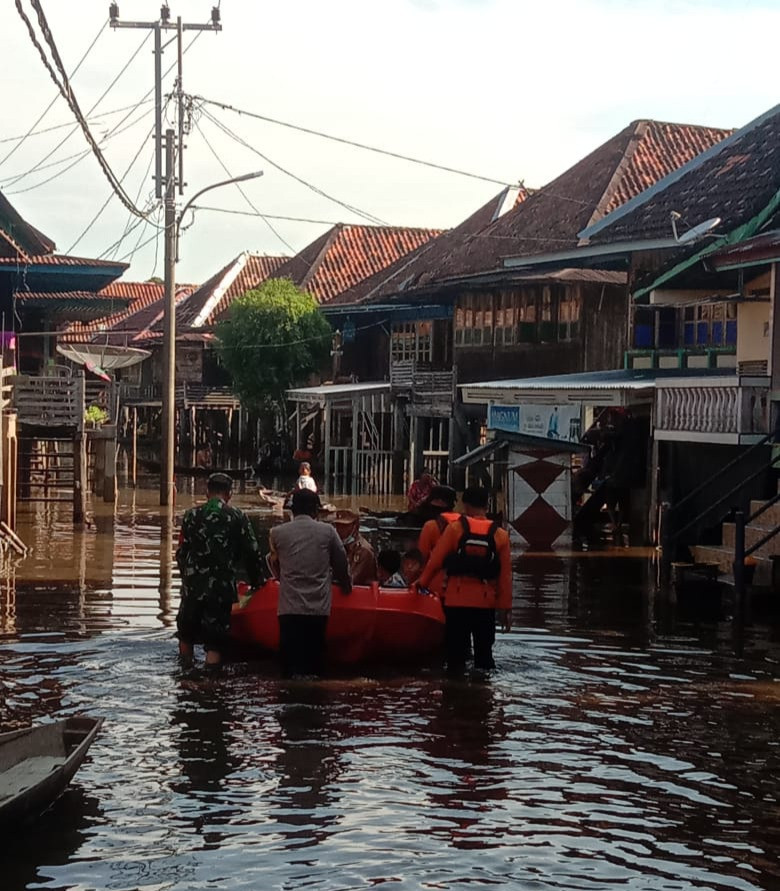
477 554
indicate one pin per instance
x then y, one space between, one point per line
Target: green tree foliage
273 338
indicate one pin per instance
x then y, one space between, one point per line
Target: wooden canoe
371 624
36 765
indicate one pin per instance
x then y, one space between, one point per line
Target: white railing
713 409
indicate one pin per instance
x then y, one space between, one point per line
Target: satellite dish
697 232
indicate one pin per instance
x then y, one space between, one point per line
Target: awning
336 392
480 453
630 386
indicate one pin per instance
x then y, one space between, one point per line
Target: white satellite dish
697 232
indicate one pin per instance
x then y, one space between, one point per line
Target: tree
273 338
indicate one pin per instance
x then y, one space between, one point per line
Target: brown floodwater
622 742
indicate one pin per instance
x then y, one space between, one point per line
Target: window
644 324
526 318
546 326
411 341
569 310
505 319
710 325
474 320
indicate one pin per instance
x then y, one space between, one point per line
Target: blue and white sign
550 421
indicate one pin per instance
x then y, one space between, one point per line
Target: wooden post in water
109 465
739 556
134 462
79 477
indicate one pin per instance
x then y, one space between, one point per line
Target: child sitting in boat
388 570
412 565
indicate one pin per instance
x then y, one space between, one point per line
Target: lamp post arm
225 182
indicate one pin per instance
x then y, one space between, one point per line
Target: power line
79 157
49 107
240 189
355 210
111 193
40 164
63 85
102 114
351 142
271 216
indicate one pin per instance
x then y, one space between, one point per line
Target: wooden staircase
723 554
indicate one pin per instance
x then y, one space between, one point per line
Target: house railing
703 408
186 394
49 401
422 380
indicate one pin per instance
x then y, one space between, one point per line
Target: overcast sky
509 89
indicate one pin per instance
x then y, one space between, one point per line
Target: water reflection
625 742
306 765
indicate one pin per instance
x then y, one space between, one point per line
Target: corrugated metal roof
325 391
589 380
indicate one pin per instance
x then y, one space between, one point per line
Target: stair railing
741 553
668 534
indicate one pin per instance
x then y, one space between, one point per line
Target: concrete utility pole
166 187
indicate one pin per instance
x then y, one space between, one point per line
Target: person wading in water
474 552
215 538
304 553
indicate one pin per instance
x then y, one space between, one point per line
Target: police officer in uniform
215 539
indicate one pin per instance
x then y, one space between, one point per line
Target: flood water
619 745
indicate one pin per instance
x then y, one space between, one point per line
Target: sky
507 89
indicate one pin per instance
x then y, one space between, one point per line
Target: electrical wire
79 157
49 107
39 165
355 210
102 114
65 88
111 193
83 152
240 189
360 145
271 216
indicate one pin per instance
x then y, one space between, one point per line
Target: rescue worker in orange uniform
442 501
474 553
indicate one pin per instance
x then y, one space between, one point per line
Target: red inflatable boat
368 625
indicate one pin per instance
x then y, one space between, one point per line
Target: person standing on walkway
475 554
307 556
215 539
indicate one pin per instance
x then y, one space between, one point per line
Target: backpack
476 556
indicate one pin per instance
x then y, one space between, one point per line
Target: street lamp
172 227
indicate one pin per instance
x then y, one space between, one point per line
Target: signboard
549 421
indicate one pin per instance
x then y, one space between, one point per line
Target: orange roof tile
551 217
338 261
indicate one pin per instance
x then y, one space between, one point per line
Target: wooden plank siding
599 342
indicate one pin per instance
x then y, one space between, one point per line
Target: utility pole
165 188
168 451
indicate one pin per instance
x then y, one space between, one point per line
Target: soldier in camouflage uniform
215 538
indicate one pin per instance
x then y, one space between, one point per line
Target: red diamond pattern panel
540 525
540 474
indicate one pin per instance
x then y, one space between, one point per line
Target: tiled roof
128 323
208 303
409 269
551 217
734 180
26 238
337 262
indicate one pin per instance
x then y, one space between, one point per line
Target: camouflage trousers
204 616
